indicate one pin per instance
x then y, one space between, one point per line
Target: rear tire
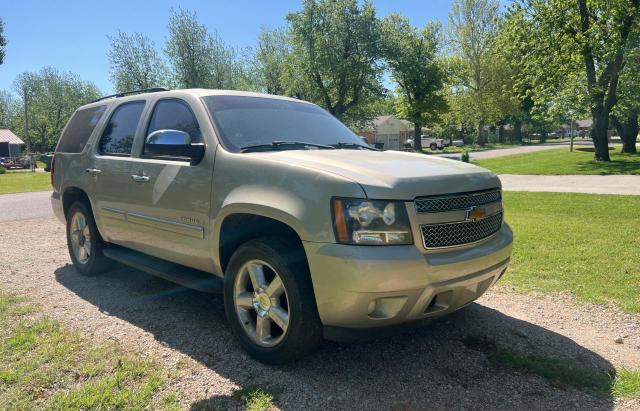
277 321
433 146
84 241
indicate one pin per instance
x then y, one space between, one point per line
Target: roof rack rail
128 93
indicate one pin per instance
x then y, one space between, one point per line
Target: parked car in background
307 231
15 162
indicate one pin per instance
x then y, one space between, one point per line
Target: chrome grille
456 201
454 234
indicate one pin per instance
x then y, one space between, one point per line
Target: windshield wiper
274 145
343 144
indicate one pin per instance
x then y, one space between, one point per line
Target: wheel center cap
262 303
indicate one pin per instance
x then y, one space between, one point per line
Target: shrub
2 170
465 156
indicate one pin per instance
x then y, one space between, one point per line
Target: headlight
371 222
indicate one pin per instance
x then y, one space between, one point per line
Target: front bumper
379 286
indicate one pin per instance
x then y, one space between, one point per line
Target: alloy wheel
80 238
261 303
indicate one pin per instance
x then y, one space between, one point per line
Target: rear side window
174 114
117 137
79 129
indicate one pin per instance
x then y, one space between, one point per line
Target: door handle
93 171
139 179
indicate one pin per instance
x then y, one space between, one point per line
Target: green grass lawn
562 161
43 365
24 181
585 244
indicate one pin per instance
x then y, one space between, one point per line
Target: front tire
269 301
433 147
84 241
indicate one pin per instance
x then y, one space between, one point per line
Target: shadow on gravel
442 365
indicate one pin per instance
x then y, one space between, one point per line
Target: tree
270 60
8 109
199 58
335 54
411 57
135 63
47 99
592 38
473 25
626 113
3 42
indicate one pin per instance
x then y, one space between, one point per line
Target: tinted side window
174 115
79 129
119 132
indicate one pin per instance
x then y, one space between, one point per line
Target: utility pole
25 98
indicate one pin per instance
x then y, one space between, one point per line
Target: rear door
170 211
111 171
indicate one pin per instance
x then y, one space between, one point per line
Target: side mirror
173 144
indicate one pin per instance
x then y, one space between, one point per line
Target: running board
179 274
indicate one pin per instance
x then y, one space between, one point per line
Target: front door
171 209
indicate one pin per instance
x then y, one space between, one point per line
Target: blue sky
71 35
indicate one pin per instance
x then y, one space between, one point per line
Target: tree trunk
500 135
417 137
599 133
517 130
543 136
480 138
628 132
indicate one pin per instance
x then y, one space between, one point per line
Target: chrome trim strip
455 195
115 213
167 225
445 217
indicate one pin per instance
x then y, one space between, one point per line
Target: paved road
23 206
501 152
614 184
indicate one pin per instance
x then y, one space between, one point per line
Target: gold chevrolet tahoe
306 230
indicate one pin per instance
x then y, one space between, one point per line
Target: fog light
386 307
372 306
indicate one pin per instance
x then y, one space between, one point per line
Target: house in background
10 144
583 126
388 130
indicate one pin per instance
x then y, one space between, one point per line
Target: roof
586 123
383 119
197 92
7 136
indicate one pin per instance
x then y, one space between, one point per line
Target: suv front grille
455 234
456 201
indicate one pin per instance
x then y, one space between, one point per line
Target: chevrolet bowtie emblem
475 213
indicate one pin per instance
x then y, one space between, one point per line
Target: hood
392 174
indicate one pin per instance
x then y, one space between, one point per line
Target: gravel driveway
428 367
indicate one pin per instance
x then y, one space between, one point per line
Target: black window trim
130 155
146 130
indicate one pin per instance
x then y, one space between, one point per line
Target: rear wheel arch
72 194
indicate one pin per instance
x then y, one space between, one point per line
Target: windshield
250 121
